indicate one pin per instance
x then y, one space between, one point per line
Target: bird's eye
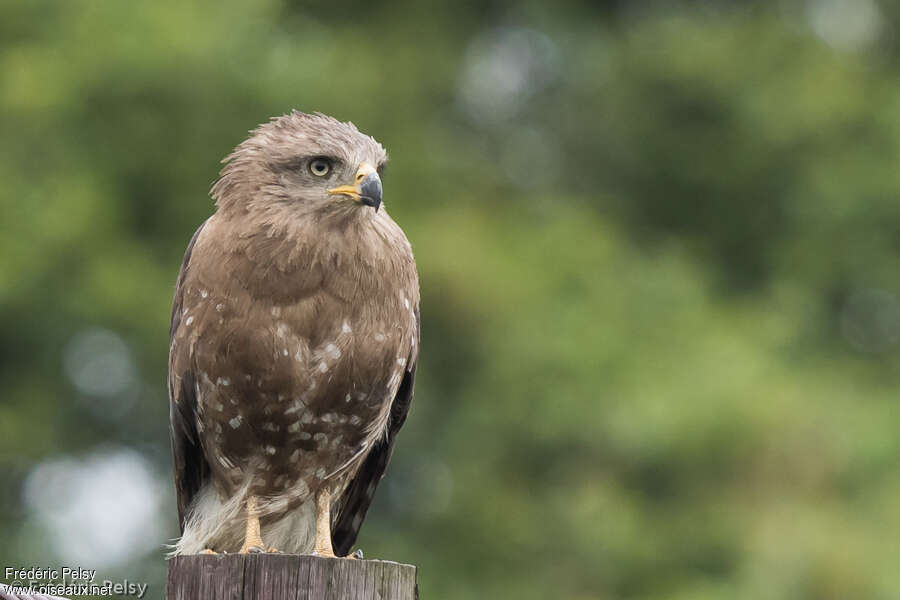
320 167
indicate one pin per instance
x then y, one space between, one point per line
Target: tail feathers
219 525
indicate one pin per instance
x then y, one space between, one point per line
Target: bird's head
303 164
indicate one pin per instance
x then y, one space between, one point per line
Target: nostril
360 177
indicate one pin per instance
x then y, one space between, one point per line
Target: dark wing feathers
191 468
354 504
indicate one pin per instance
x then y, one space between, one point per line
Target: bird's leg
323 523
252 540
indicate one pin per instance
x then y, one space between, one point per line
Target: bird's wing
191 468
354 503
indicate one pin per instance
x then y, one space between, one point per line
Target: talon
208 551
358 554
253 550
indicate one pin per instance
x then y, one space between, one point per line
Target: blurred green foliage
659 255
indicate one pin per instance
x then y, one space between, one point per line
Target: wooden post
287 577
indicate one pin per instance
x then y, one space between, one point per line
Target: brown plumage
294 341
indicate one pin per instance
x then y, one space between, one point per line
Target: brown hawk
294 339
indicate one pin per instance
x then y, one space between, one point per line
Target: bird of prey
293 344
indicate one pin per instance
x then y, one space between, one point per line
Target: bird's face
333 181
304 164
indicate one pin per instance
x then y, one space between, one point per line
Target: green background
659 249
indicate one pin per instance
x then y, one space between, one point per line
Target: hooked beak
367 187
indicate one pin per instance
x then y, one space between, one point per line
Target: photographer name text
69 581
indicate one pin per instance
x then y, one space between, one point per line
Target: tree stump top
287 577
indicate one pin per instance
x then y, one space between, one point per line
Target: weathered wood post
287 577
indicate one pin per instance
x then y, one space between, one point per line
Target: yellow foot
322 544
252 540
208 551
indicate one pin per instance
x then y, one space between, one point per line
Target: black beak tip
371 191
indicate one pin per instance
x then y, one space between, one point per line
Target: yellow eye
320 167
